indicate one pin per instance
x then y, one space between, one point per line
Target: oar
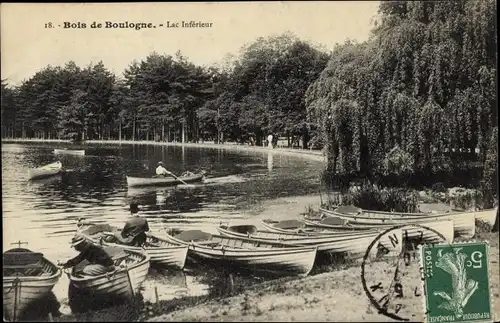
185 184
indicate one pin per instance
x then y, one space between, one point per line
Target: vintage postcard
250 161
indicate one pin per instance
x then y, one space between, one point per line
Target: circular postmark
385 287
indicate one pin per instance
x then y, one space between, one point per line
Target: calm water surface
44 213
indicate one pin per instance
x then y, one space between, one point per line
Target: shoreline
307 153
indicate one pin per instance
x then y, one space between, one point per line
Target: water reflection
270 161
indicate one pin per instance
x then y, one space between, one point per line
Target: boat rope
15 283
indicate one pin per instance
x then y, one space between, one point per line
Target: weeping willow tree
423 86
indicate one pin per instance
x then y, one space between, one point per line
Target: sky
27 46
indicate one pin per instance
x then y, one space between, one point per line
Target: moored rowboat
131 270
464 222
27 277
445 228
160 251
162 181
45 171
259 257
69 152
350 243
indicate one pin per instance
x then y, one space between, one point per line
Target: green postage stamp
457 282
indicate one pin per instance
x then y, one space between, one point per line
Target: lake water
44 213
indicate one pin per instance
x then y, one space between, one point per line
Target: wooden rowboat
131 270
27 277
69 152
162 181
444 227
259 257
304 227
464 222
45 171
341 243
161 252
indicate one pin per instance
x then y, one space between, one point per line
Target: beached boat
27 277
45 171
350 243
161 252
464 222
302 227
131 270
69 152
258 257
162 181
445 228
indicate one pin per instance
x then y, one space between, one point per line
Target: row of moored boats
290 247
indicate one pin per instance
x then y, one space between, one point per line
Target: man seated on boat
100 261
162 171
134 231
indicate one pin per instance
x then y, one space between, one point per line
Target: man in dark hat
100 261
134 231
162 171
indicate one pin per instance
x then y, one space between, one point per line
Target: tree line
169 98
418 98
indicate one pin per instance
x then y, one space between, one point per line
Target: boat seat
21 258
99 228
289 224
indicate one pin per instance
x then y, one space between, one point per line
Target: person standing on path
270 141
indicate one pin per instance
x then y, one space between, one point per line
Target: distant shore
313 154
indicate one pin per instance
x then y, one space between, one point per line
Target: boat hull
157 181
69 152
445 228
20 291
350 244
464 222
123 283
165 255
277 259
45 171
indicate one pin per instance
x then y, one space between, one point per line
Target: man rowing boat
162 171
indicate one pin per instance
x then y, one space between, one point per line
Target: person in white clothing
162 171
270 141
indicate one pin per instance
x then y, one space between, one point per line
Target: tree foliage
423 82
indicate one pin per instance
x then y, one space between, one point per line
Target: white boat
259 257
444 227
352 243
27 277
163 181
161 252
45 171
69 152
464 222
131 270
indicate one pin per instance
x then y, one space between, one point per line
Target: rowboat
412 232
304 227
464 222
69 152
162 181
28 276
161 252
340 243
131 270
45 171
258 257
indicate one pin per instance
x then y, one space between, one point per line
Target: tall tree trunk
183 131
133 130
163 131
305 139
120 130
